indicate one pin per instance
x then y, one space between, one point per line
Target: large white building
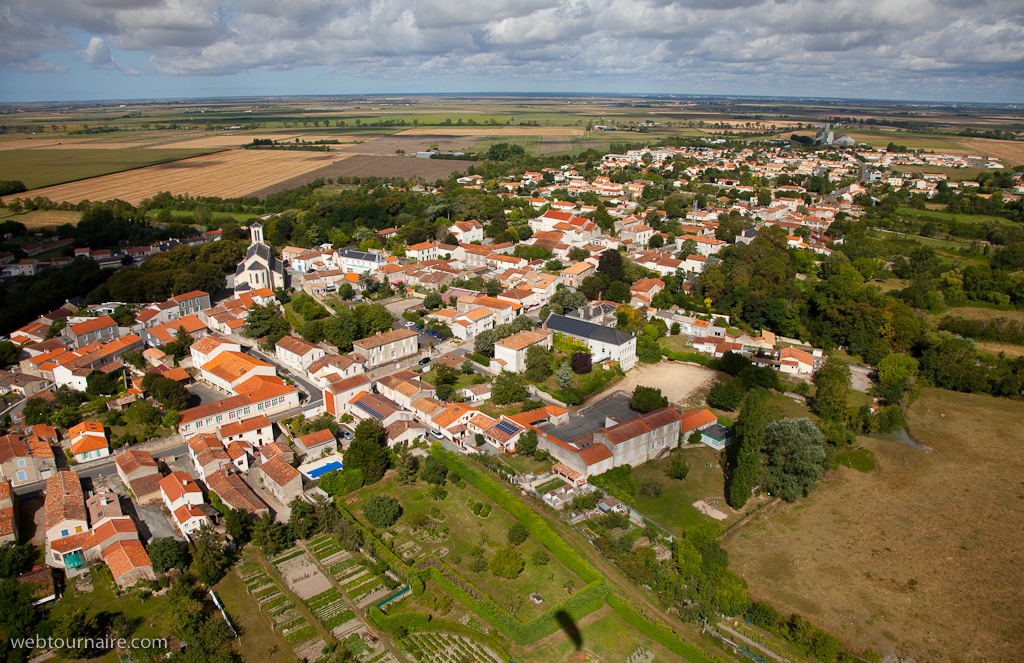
604 342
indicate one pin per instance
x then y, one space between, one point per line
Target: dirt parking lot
677 381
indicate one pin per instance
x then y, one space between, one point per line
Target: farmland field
225 174
52 165
41 218
921 556
1011 151
494 131
364 165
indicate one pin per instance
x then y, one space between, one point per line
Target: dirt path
358 613
750 643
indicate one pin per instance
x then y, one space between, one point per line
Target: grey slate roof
355 254
584 329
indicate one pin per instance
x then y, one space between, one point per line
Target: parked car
345 434
410 323
436 434
425 360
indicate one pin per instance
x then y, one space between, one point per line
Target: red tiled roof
279 471
64 499
125 556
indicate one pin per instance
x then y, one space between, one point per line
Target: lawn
676 343
45 167
467 531
673 508
527 464
463 381
259 640
919 556
102 600
947 216
603 634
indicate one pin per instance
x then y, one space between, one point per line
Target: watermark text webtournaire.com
100 644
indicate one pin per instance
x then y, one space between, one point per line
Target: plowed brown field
225 174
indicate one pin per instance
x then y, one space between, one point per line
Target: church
259 269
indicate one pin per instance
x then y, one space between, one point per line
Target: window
21 462
56 556
22 476
64 532
78 529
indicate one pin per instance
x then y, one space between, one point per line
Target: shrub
340 482
582 363
382 511
507 563
648 399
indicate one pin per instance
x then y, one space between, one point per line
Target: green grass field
467 531
45 167
260 641
148 615
925 214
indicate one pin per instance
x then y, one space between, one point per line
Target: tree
508 388
406 466
165 554
538 363
265 320
236 522
725 395
517 534
437 493
507 563
433 301
180 345
582 363
687 557
747 452
577 254
564 374
170 394
527 443
689 248
896 369
796 457
36 411
171 419
647 399
618 292
650 488
76 629
141 413
208 559
434 471
610 264
382 511
678 467
833 382
269 535
540 558
15 559
340 482
100 383
123 316
368 451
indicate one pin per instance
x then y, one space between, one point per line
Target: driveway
859 377
153 525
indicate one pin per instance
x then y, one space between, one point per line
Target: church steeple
256 230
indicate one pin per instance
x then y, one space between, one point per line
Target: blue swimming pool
333 465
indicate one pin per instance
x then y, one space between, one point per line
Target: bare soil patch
227 140
387 145
493 131
677 381
361 165
224 174
920 558
1012 151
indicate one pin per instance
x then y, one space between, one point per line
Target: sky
939 50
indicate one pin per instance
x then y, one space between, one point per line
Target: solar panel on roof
507 427
369 410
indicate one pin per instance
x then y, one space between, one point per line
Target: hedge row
657 632
694 357
379 550
538 527
578 606
391 624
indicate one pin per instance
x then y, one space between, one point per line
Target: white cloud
854 47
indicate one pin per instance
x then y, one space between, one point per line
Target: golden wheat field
225 174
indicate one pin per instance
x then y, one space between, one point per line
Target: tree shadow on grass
568 625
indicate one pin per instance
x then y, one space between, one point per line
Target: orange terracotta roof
64 499
279 471
124 556
92 325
